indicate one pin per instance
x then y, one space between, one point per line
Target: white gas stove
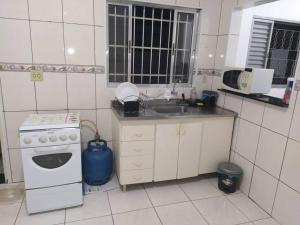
51 155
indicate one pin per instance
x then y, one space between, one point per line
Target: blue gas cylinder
97 162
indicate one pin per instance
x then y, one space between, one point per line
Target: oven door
51 166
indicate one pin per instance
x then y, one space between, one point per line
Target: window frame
273 21
177 9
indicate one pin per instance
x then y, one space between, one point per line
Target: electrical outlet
36 75
297 85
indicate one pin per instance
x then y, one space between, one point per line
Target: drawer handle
137 150
139 135
137 164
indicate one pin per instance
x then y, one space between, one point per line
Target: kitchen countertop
148 113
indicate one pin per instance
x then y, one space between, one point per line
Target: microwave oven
248 80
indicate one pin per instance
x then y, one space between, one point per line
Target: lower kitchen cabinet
216 142
167 149
189 149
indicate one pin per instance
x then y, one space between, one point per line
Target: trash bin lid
229 168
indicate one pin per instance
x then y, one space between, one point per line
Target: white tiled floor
186 202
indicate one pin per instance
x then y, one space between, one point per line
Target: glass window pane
120 60
139 10
111 30
156 34
155 60
122 10
157 13
165 37
146 61
121 28
147 33
111 60
111 9
166 14
148 12
137 61
138 35
163 62
183 47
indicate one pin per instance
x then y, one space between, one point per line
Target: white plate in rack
127 92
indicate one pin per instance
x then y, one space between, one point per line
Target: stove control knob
43 139
27 140
53 138
63 137
73 137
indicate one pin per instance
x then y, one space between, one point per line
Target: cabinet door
216 142
189 149
166 151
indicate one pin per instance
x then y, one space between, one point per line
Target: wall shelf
260 97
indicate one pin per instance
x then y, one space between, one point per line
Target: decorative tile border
209 72
21 67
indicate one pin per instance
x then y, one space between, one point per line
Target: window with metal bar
158 47
275 45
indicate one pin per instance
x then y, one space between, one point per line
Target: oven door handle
52 149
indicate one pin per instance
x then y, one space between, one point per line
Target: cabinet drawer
137 133
136 176
135 148
136 162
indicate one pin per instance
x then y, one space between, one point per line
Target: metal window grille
150 45
274 45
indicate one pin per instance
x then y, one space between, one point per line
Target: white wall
281 10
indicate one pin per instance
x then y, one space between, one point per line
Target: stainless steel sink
170 109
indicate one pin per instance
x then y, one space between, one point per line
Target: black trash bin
229 175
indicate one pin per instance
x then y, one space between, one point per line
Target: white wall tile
216 83
226 12
100 45
16 165
15 44
221 52
278 119
46 10
162 2
18 91
81 91
13 122
14 9
287 205
104 94
270 151
202 82
231 51
87 132
253 111
188 3
221 100
79 44
295 128
47 42
104 123
233 102
100 12
77 11
247 168
247 140
210 15
291 166
263 189
206 51
235 133
51 93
